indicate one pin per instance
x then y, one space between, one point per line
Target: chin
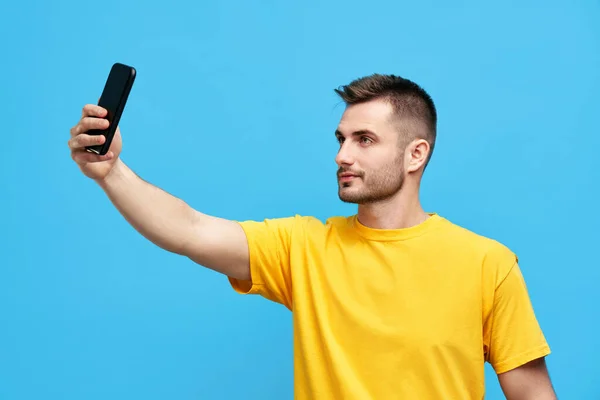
350 196
355 196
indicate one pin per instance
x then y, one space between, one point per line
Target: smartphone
113 99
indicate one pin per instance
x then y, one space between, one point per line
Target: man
391 303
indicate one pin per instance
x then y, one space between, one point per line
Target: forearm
159 216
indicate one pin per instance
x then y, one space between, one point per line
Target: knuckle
87 124
78 129
74 142
75 129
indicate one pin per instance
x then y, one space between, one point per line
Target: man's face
370 160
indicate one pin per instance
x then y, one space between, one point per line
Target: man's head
386 134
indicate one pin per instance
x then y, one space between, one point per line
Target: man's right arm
171 224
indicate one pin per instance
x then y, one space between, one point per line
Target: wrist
116 173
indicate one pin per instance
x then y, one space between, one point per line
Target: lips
345 177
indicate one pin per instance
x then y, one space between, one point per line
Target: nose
344 155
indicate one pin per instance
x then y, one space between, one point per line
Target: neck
402 210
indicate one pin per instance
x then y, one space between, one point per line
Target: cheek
384 159
389 166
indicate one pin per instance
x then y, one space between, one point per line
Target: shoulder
495 257
311 228
473 238
299 221
291 225
313 223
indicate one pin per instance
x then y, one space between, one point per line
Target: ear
416 154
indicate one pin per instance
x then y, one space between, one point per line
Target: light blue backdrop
233 111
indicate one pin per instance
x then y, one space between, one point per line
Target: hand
93 166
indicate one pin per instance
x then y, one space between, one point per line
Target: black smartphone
113 99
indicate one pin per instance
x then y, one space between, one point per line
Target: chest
399 294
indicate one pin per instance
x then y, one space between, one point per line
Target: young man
391 303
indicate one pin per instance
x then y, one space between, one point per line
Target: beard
372 187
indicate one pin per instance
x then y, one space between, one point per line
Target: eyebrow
357 133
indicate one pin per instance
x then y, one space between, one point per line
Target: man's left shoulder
491 251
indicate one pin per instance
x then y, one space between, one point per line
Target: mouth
346 177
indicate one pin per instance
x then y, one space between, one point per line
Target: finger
83 140
93 110
82 156
89 123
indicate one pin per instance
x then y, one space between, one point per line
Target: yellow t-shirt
393 314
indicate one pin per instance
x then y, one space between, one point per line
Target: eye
365 140
339 139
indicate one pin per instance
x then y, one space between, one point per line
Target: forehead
374 115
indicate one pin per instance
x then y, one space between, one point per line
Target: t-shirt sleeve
515 336
269 244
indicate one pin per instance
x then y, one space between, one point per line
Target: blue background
233 110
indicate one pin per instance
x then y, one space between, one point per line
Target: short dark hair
406 97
